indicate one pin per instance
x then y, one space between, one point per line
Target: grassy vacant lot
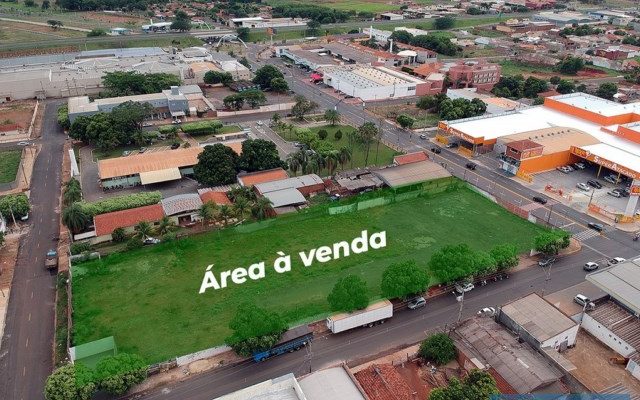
374 6
423 118
9 162
510 67
148 298
358 152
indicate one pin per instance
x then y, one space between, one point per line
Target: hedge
201 127
121 203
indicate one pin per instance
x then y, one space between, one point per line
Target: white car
590 266
259 123
584 301
616 260
487 312
151 240
583 186
464 287
614 193
24 143
564 169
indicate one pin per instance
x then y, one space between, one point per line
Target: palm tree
344 155
241 191
207 211
143 229
75 218
276 120
241 206
226 212
165 226
261 208
331 159
294 163
71 194
332 116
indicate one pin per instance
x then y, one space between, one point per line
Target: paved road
25 360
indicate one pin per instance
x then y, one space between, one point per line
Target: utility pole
461 300
547 277
549 216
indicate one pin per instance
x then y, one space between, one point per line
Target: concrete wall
569 336
607 337
634 369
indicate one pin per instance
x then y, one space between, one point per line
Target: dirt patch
17 112
423 118
37 28
591 73
8 256
114 18
38 52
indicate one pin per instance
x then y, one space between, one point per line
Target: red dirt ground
20 112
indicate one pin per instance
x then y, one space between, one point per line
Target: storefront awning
163 175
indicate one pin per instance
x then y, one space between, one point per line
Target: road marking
29 318
36 259
38 245
597 251
24 372
32 294
585 235
26 343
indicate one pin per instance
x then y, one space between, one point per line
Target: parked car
150 240
176 121
487 312
436 150
471 166
416 302
616 260
590 266
452 145
126 153
175 146
142 150
611 179
539 199
546 262
579 165
570 168
147 124
463 287
584 301
423 136
596 226
583 186
594 184
625 192
24 217
259 123
614 193
563 169
24 143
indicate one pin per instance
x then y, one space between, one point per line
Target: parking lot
580 198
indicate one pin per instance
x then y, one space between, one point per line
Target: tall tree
252 322
259 155
265 74
182 22
332 116
241 206
403 279
143 229
367 133
207 212
607 90
75 218
437 348
216 165
279 85
349 294
260 209
453 262
165 225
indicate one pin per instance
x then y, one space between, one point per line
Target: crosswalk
585 235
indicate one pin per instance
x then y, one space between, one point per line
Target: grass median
9 162
148 299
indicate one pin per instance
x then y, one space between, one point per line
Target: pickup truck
51 260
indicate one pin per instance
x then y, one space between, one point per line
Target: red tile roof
254 178
410 158
383 382
216 197
523 145
106 223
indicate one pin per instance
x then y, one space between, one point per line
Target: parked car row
624 192
570 168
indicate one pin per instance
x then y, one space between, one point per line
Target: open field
9 162
510 67
17 112
148 298
374 6
12 32
424 119
383 155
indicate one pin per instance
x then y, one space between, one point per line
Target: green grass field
148 298
510 67
375 6
9 162
378 155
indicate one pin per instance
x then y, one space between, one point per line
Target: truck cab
51 260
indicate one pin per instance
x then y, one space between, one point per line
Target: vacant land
9 162
17 112
379 154
148 298
423 118
510 67
374 6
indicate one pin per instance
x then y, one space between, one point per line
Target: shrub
134 243
438 348
79 247
168 129
201 127
18 204
338 135
118 235
322 134
118 203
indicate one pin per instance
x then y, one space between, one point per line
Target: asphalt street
408 327
26 360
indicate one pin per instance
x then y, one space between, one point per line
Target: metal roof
622 282
163 175
412 173
539 318
147 162
289 183
330 383
285 197
181 203
522 367
619 321
285 387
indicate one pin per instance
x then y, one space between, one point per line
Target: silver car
583 186
416 302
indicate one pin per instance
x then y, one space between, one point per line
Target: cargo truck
376 313
292 340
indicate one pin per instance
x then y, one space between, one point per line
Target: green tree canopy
443 23
405 121
75 218
14 204
403 279
259 155
302 107
453 262
182 22
551 242
570 65
565 87
214 77
243 33
117 374
279 85
349 294
477 385
437 348
402 36
332 116
607 90
254 329
70 382
127 83
265 74
533 86
216 165
505 255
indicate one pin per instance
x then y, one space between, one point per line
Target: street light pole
549 216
